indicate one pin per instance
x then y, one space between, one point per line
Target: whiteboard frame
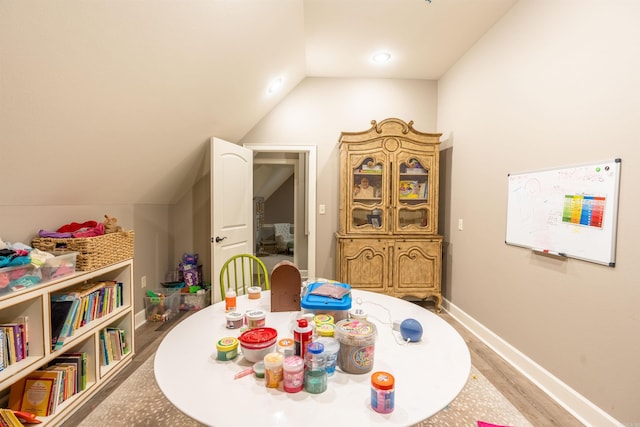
612 217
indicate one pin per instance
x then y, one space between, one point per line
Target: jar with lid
357 345
315 374
273 369
331 348
255 318
325 330
293 374
323 318
382 392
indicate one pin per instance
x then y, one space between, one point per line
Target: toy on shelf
111 224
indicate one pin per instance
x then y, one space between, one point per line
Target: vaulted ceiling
114 101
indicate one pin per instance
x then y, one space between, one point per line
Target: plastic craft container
227 348
257 343
18 277
162 304
60 266
195 301
357 345
318 304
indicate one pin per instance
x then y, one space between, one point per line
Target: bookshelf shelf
34 304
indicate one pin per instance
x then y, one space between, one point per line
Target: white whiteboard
568 211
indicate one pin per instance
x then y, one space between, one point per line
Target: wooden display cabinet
388 238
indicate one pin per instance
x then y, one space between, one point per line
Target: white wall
318 110
554 83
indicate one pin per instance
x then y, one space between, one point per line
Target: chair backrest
283 229
241 272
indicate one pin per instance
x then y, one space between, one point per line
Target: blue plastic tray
318 302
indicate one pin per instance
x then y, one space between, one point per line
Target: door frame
308 152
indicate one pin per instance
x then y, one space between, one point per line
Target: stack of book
73 308
113 345
14 342
41 391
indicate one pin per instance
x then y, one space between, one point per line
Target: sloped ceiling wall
114 101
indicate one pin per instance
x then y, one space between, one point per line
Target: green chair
241 272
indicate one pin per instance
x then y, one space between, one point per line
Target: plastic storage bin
162 304
318 304
62 265
18 277
195 301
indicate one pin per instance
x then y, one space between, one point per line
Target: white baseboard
140 318
572 401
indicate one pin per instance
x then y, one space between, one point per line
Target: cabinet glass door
413 194
367 194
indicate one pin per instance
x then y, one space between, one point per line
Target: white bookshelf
34 302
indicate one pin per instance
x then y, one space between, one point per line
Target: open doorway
274 197
284 198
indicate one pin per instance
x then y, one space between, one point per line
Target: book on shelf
422 193
89 301
80 361
10 344
60 312
3 359
67 380
113 344
371 168
41 392
9 419
23 321
409 189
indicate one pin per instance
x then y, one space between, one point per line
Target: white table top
429 374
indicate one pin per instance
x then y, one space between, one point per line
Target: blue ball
411 329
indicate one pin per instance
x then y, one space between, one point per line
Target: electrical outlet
143 281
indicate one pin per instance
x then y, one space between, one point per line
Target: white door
231 205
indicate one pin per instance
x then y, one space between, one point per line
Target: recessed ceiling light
381 57
276 85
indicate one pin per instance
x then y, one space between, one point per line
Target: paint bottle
302 334
230 300
382 392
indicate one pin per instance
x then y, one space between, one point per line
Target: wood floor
534 404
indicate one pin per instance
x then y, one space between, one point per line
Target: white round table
429 374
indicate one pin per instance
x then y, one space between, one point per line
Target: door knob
220 239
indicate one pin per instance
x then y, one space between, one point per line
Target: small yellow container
227 348
325 329
323 318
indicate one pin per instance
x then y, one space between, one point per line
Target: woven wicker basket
93 252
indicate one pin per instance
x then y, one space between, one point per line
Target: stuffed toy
110 224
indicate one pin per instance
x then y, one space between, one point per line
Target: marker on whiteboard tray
547 251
